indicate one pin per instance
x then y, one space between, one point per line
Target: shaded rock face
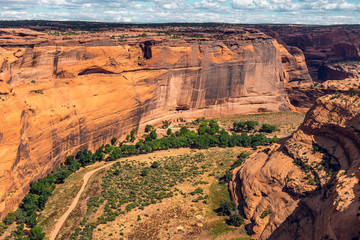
56 100
331 72
322 46
308 186
305 96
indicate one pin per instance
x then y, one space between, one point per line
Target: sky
160 11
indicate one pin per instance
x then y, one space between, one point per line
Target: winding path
87 176
63 218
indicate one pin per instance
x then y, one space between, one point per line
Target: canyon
62 91
62 95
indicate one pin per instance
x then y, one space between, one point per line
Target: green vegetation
265 213
165 124
227 207
268 128
113 141
36 234
208 136
235 220
228 174
155 164
132 136
148 128
133 189
218 228
248 126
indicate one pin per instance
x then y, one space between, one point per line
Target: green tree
268 128
155 165
250 125
113 141
226 208
19 232
235 220
169 132
153 134
10 218
36 234
145 172
132 135
166 124
148 128
239 126
214 127
202 128
184 130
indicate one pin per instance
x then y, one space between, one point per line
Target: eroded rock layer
57 99
308 186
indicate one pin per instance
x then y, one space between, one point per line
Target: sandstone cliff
323 46
61 96
308 186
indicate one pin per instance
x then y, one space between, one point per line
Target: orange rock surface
308 186
58 98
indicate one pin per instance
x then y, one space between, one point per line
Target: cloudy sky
154 11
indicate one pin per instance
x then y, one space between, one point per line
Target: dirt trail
87 176
63 218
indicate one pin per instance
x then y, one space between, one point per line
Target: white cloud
237 11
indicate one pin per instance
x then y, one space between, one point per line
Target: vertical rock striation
56 99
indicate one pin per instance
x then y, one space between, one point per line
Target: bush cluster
268 128
242 126
208 135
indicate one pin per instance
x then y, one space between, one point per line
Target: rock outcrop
321 45
61 96
308 186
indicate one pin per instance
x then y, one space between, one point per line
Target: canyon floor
184 215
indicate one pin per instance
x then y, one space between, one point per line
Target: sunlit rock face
306 187
58 98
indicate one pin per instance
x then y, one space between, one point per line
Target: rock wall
57 99
322 46
306 187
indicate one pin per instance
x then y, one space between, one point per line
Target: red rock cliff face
308 186
56 100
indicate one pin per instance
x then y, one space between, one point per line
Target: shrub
2 227
169 132
226 208
153 134
166 124
198 190
235 220
130 206
36 234
132 135
265 213
227 177
250 125
240 160
113 141
10 218
155 165
145 172
148 128
268 128
239 126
